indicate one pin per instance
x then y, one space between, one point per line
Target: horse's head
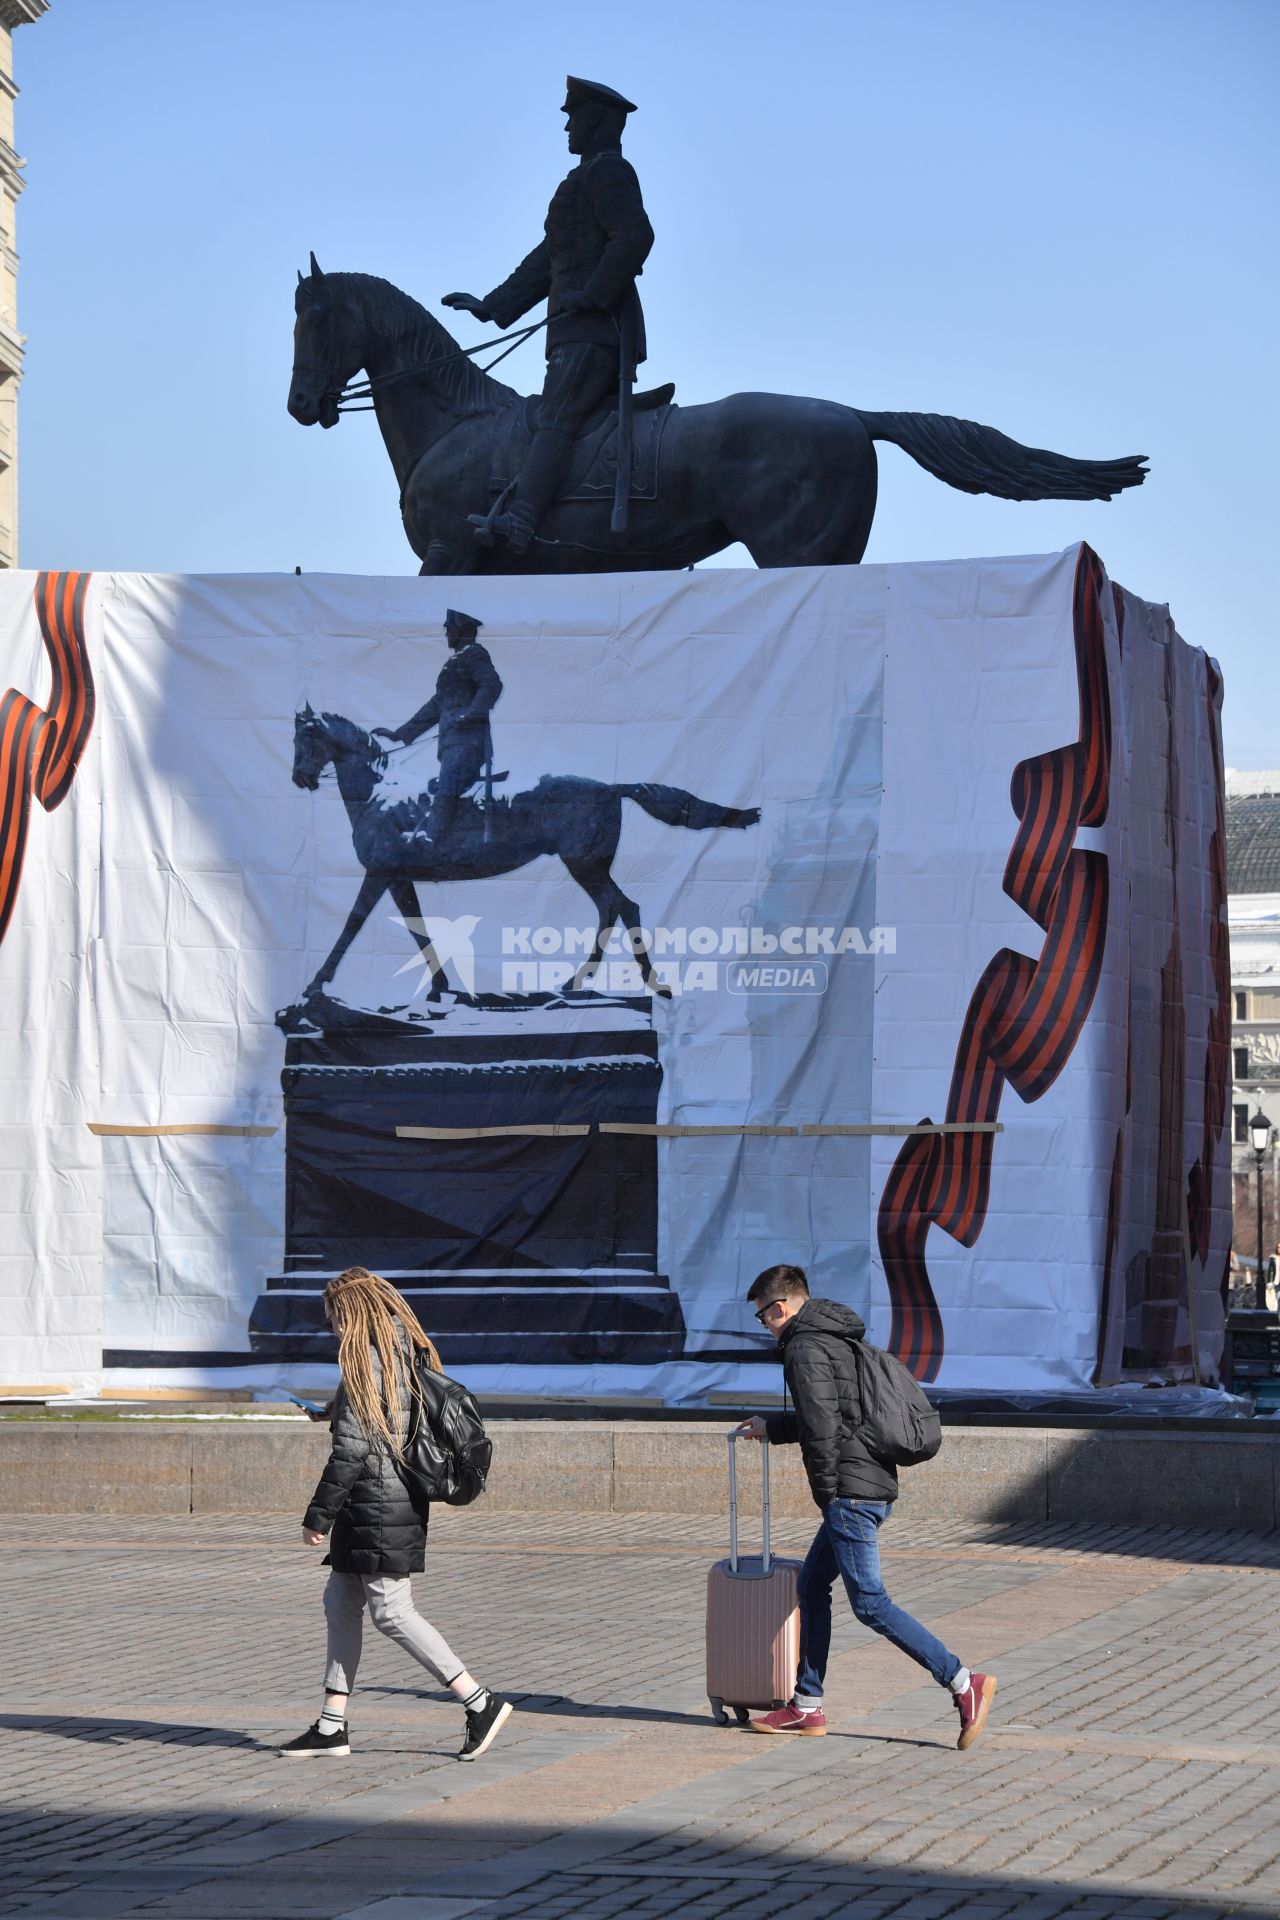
319 738
351 320
329 345
312 748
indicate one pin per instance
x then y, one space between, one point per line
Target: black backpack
447 1455
899 1426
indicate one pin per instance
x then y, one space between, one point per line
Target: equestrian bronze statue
588 477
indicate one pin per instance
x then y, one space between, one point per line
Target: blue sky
1054 216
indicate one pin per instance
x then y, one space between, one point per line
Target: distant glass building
13 13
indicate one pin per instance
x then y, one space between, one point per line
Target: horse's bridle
357 395
313 723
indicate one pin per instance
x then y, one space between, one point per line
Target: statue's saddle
594 465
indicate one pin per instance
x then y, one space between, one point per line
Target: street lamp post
1260 1135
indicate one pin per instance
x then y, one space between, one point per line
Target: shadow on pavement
1229 1548
104 1731
555 1703
520 1870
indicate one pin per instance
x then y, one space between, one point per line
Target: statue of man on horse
791 476
596 240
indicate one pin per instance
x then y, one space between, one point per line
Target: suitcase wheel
718 1713
742 1715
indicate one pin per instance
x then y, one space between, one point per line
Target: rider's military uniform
467 688
596 240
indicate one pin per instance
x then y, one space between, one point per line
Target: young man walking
854 1491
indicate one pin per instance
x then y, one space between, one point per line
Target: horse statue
793 479
578 819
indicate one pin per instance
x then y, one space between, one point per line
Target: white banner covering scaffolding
870 917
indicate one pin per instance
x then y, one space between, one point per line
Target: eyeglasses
768 1307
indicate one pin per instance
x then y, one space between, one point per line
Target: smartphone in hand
312 1410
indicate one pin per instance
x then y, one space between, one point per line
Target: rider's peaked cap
467 621
589 93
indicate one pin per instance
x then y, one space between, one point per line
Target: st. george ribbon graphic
1025 1015
40 747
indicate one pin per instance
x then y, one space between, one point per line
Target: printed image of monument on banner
537 1247
493 1154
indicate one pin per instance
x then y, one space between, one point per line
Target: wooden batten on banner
657 1130
109 1129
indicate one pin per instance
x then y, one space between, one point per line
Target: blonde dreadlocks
369 1316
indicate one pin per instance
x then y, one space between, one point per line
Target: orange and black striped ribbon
1025 1015
40 747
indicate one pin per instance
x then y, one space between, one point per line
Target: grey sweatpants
392 1612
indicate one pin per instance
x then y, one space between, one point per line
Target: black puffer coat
376 1528
822 1377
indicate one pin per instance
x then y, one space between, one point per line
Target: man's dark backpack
899 1426
447 1455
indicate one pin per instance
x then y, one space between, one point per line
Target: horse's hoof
663 993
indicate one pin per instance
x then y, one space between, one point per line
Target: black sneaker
313 1742
483 1727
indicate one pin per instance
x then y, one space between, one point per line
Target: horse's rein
358 395
381 754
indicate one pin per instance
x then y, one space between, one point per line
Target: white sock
477 1702
331 1722
804 1705
960 1680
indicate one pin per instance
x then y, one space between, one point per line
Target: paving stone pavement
152 1665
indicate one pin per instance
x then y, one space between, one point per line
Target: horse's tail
979 459
680 809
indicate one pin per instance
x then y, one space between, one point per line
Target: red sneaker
790 1720
973 1705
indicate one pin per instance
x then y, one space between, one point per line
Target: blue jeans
847 1544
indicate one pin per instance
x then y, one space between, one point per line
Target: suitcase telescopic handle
733 1503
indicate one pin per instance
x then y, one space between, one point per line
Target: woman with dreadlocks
378 1537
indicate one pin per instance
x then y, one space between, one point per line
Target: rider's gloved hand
576 303
388 733
467 303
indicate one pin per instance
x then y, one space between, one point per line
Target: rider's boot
516 527
545 466
520 526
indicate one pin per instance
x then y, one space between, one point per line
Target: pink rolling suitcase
753 1619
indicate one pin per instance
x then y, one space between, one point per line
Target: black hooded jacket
822 1378
375 1527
